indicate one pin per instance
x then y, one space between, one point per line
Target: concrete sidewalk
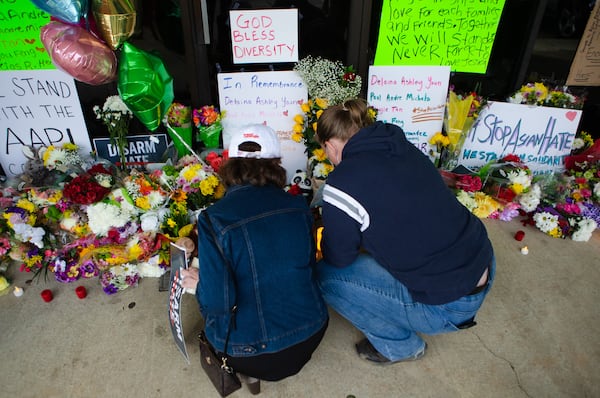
537 336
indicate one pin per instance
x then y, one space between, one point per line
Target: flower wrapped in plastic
115 115
207 120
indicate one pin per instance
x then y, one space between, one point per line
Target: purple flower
110 289
591 210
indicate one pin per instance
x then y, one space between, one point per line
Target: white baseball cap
259 134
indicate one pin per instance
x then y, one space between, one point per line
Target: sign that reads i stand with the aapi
540 136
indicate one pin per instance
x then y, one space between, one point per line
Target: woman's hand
189 278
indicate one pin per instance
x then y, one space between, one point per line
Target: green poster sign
20 44
455 33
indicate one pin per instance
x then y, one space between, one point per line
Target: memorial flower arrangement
541 94
115 115
178 115
207 120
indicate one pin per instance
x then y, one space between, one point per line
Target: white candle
524 250
18 291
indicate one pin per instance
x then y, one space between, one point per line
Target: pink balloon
77 52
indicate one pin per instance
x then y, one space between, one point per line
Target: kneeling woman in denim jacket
266 234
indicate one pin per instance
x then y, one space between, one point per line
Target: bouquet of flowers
542 95
115 115
178 120
207 120
178 115
329 80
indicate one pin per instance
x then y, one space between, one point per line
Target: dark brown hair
343 121
257 172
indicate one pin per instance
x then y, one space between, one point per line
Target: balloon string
189 148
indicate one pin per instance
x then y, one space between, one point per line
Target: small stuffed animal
301 184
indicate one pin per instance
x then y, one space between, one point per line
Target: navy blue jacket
267 235
387 198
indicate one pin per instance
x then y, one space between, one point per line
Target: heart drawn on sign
29 41
571 115
285 113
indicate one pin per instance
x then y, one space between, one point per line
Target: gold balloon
115 20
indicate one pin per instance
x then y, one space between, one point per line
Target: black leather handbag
220 374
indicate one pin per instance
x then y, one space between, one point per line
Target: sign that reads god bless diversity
264 36
270 98
38 108
412 97
459 33
540 136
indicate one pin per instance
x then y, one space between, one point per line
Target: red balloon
79 53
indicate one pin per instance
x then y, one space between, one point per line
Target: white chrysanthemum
530 200
519 176
150 221
103 216
517 98
578 143
584 229
321 170
151 268
114 103
156 199
104 180
467 200
545 221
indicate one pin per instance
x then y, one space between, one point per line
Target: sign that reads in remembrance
412 97
540 136
459 33
20 44
585 69
38 108
264 36
271 98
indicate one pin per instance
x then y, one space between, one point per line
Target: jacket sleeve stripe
347 204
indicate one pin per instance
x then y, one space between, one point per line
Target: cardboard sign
585 70
20 46
141 149
412 97
178 262
459 33
540 136
38 108
264 36
271 98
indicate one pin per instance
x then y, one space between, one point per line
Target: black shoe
366 351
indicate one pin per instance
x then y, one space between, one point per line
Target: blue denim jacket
267 235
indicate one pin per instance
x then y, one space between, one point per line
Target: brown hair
343 121
257 172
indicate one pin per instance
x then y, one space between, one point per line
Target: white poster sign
271 98
264 36
38 108
412 97
540 136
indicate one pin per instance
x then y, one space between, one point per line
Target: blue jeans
382 308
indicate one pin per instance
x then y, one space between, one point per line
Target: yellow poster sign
455 33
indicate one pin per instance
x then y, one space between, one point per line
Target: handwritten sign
585 69
459 33
540 136
271 98
264 36
178 262
38 108
412 97
140 149
20 44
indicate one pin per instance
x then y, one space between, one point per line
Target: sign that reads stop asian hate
38 108
264 36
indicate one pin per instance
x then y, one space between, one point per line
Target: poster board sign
22 48
271 98
140 150
540 136
459 33
38 108
264 36
412 97
178 262
585 69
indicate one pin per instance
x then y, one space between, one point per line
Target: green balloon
145 85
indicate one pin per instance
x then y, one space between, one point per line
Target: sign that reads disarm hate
140 149
459 33
264 36
38 108
412 97
540 136
271 98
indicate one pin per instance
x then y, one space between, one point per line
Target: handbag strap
233 308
